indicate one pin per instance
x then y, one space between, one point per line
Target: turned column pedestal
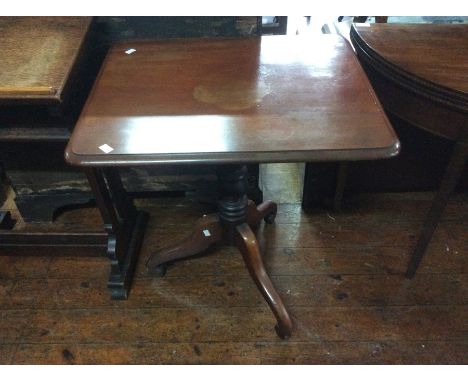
232 225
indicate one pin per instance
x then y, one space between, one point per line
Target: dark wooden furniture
61 56
228 102
48 66
419 73
39 54
47 70
41 93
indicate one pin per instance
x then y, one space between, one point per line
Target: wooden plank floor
341 276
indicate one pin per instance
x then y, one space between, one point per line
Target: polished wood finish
197 242
227 100
38 56
208 231
230 102
340 278
230 226
429 54
419 74
248 246
420 66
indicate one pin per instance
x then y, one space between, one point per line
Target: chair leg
449 181
248 246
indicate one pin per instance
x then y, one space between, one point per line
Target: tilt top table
227 102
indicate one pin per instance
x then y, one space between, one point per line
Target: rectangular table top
38 54
219 100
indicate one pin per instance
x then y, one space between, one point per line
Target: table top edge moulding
229 100
432 82
230 158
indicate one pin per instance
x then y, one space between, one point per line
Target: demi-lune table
228 102
420 73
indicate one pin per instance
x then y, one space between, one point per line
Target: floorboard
340 274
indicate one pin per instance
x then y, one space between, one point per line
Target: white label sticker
362 24
106 148
206 232
130 51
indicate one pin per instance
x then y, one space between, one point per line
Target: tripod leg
248 246
206 232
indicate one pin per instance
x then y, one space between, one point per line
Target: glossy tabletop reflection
268 99
435 53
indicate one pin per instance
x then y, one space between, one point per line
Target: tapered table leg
449 181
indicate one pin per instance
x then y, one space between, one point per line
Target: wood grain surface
269 99
419 72
340 274
434 52
38 54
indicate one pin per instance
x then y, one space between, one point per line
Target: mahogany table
419 72
228 102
